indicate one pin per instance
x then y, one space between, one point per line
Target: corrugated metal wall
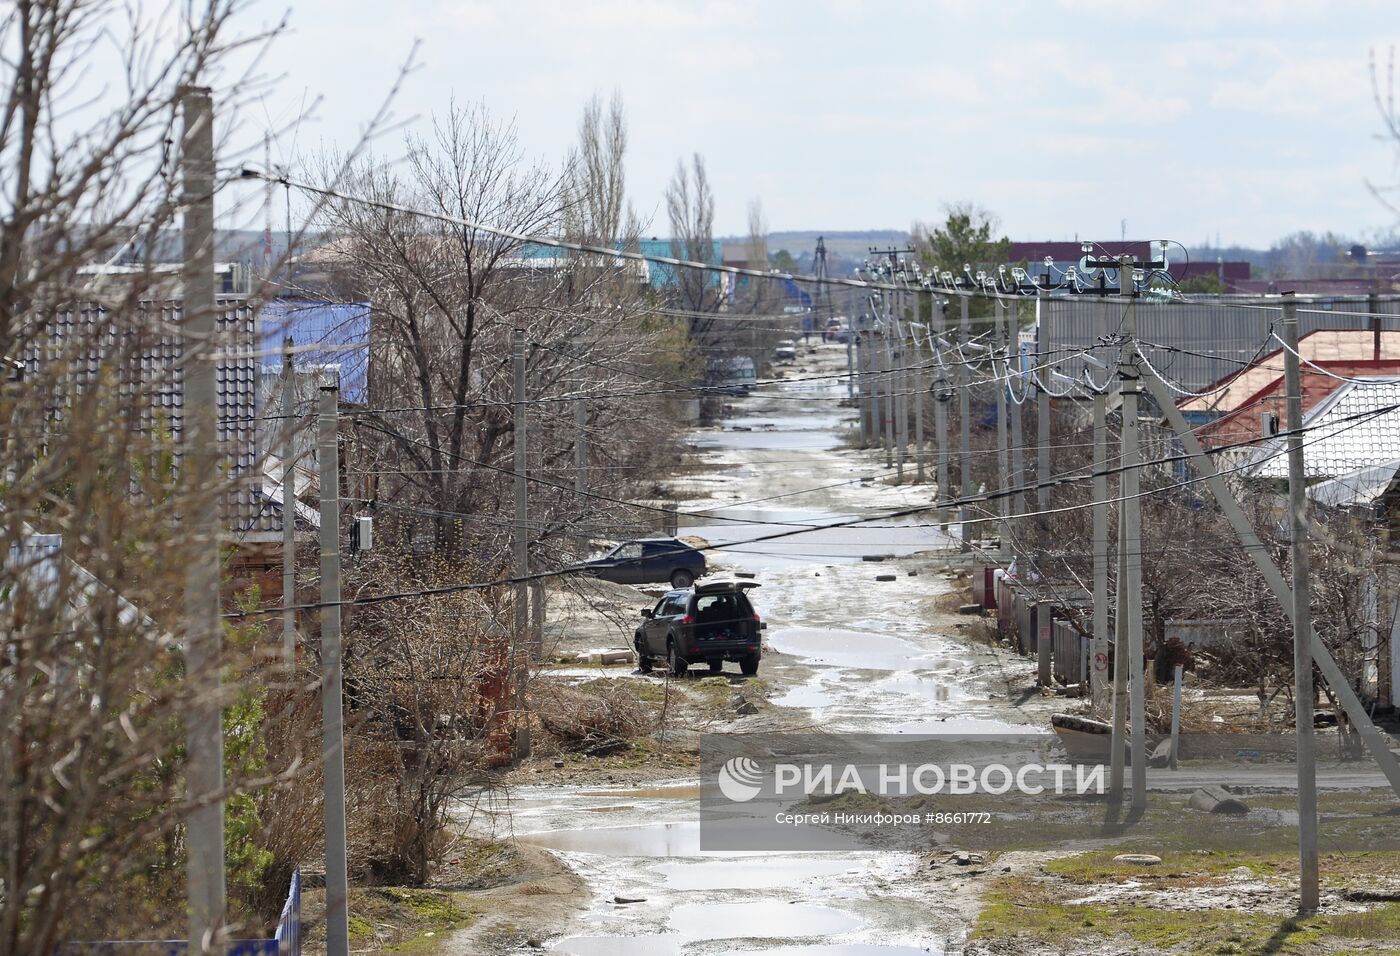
1231 328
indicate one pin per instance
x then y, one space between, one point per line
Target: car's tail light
687 620
756 617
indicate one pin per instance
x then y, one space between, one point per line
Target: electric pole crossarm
1375 741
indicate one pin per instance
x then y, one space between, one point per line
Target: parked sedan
649 560
711 622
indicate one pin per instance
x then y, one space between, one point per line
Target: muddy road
843 652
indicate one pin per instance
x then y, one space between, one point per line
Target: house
252 508
1353 447
1235 407
1356 427
664 277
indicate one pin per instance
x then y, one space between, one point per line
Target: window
628 551
713 608
674 605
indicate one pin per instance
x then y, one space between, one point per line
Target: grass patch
1178 867
1382 922
1015 909
398 919
1029 907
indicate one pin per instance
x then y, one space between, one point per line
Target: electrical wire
948 504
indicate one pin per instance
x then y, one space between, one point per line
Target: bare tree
446 297
597 210
690 209
92 796
758 295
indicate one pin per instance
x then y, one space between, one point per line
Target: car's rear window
721 607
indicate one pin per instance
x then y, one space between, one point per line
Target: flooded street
844 653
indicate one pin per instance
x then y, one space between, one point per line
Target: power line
950 503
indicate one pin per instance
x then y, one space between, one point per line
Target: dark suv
649 560
711 622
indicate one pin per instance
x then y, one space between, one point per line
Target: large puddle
669 945
619 945
656 839
761 919
770 872
802 546
855 649
836 949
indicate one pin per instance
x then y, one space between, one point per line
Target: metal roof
1338 442
80 339
1358 488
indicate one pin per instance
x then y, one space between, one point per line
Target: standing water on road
784 499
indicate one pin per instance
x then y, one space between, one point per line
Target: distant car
649 560
732 376
833 329
786 351
712 622
844 334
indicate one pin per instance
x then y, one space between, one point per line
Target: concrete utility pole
940 409
520 541
1131 511
581 445
289 511
1018 437
332 728
204 738
851 363
581 463
1042 418
965 489
1099 646
1118 736
1003 461
863 397
899 380
916 363
870 394
887 411
1303 693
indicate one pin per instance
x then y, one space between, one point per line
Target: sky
1244 120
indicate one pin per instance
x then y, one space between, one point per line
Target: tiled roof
1355 428
82 338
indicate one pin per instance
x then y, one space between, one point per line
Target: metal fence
1225 330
